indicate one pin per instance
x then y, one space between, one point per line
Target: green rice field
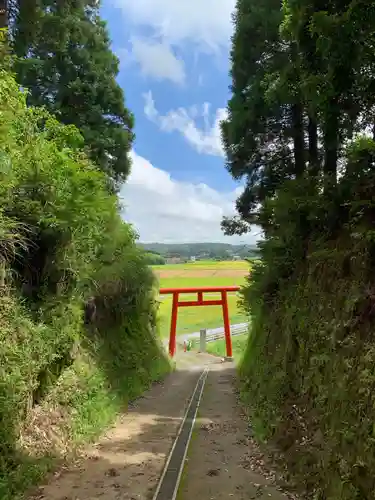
201 273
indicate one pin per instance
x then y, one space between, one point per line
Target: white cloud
206 139
165 210
206 23
157 60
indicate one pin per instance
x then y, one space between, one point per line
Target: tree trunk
26 27
3 14
298 139
312 129
331 144
2 275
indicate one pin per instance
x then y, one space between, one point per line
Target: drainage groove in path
170 479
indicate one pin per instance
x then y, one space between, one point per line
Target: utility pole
3 14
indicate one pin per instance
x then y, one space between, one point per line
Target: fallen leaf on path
213 472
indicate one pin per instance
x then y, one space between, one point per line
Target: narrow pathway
217 465
128 462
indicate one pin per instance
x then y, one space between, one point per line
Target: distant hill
222 251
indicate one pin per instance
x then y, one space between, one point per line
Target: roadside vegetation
300 133
64 248
77 298
218 347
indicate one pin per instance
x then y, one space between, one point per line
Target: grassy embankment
63 243
308 369
238 345
202 273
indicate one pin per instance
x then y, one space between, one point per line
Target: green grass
238 345
191 319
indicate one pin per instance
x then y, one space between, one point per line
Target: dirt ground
218 465
127 462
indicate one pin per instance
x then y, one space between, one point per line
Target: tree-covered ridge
201 250
64 59
300 132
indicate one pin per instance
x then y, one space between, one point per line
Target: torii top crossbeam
176 303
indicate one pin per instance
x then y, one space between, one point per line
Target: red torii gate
176 303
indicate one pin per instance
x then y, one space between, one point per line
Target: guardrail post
203 337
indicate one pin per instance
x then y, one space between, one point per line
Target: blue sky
174 64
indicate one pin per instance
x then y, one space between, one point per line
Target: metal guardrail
239 329
218 336
211 335
217 333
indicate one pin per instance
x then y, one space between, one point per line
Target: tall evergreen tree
302 86
66 62
335 41
263 113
